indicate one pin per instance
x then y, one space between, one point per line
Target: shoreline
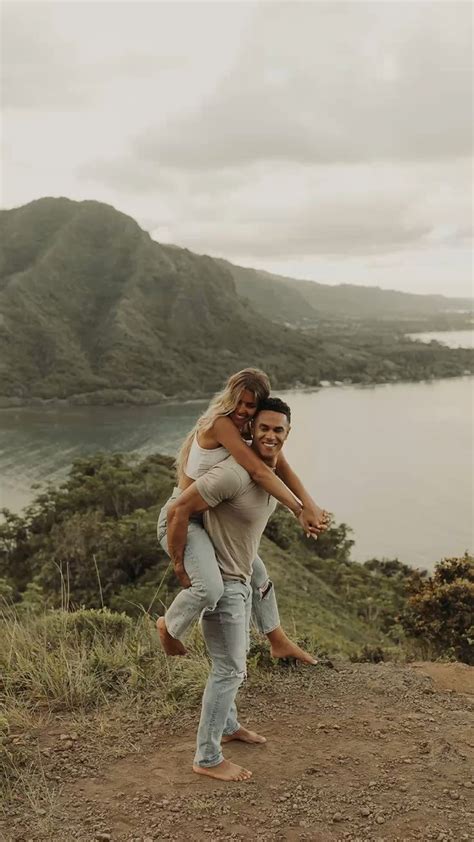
86 399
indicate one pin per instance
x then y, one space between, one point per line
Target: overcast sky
321 140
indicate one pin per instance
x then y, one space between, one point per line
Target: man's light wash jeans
226 632
207 586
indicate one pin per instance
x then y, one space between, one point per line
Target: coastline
147 397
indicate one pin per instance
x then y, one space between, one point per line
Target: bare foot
245 736
282 647
171 645
224 771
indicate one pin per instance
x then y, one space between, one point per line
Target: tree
441 609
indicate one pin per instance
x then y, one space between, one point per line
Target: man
236 511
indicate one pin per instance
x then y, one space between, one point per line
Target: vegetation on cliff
82 579
94 311
92 543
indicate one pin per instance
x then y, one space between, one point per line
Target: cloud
37 71
77 55
280 134
339 82
272 210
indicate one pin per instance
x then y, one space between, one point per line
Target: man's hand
188 503
314 520
181 574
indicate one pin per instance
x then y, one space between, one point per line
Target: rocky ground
363 752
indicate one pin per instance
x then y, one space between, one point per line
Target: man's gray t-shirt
239 511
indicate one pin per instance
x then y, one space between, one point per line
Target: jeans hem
169 627
204 764
270 630
229 733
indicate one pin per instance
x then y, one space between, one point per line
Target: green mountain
93 310
304 302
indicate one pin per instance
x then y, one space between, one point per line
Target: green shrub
441 609
369 654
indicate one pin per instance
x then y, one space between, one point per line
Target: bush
369 654
441 609
95 534
286 533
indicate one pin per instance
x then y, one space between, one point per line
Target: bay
451 338
394 461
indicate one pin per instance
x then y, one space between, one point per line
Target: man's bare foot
171 645
245 736
224 771
282 647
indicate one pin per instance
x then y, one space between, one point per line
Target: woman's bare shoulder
211 438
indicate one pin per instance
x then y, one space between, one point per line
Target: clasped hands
314 520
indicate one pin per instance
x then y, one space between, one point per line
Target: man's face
270 431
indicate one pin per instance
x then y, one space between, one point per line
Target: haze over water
392 461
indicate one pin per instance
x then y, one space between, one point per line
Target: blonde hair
223 403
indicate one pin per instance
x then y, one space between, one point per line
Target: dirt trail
370 752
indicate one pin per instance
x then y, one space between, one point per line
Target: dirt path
370 752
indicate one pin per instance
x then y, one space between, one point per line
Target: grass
80 664
313 609
96 670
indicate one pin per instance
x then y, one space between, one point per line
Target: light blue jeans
207 586
226 632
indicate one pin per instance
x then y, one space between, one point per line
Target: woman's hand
314 520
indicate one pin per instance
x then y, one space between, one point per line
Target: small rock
454 795
337 817
380 820
404 788
103 837
364 811
64 737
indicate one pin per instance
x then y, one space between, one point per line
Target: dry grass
77 664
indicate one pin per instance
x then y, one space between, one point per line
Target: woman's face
245 409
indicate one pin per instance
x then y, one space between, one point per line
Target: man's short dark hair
274 405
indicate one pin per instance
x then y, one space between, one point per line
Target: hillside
97 725
367 752
305 302
92 542
100 525
93 310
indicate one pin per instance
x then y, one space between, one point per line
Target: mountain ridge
92 309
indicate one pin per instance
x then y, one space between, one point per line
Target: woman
223 430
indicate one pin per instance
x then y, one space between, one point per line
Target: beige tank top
201 460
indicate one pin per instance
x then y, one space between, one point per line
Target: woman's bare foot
171 645
245 736
224 771
282 647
